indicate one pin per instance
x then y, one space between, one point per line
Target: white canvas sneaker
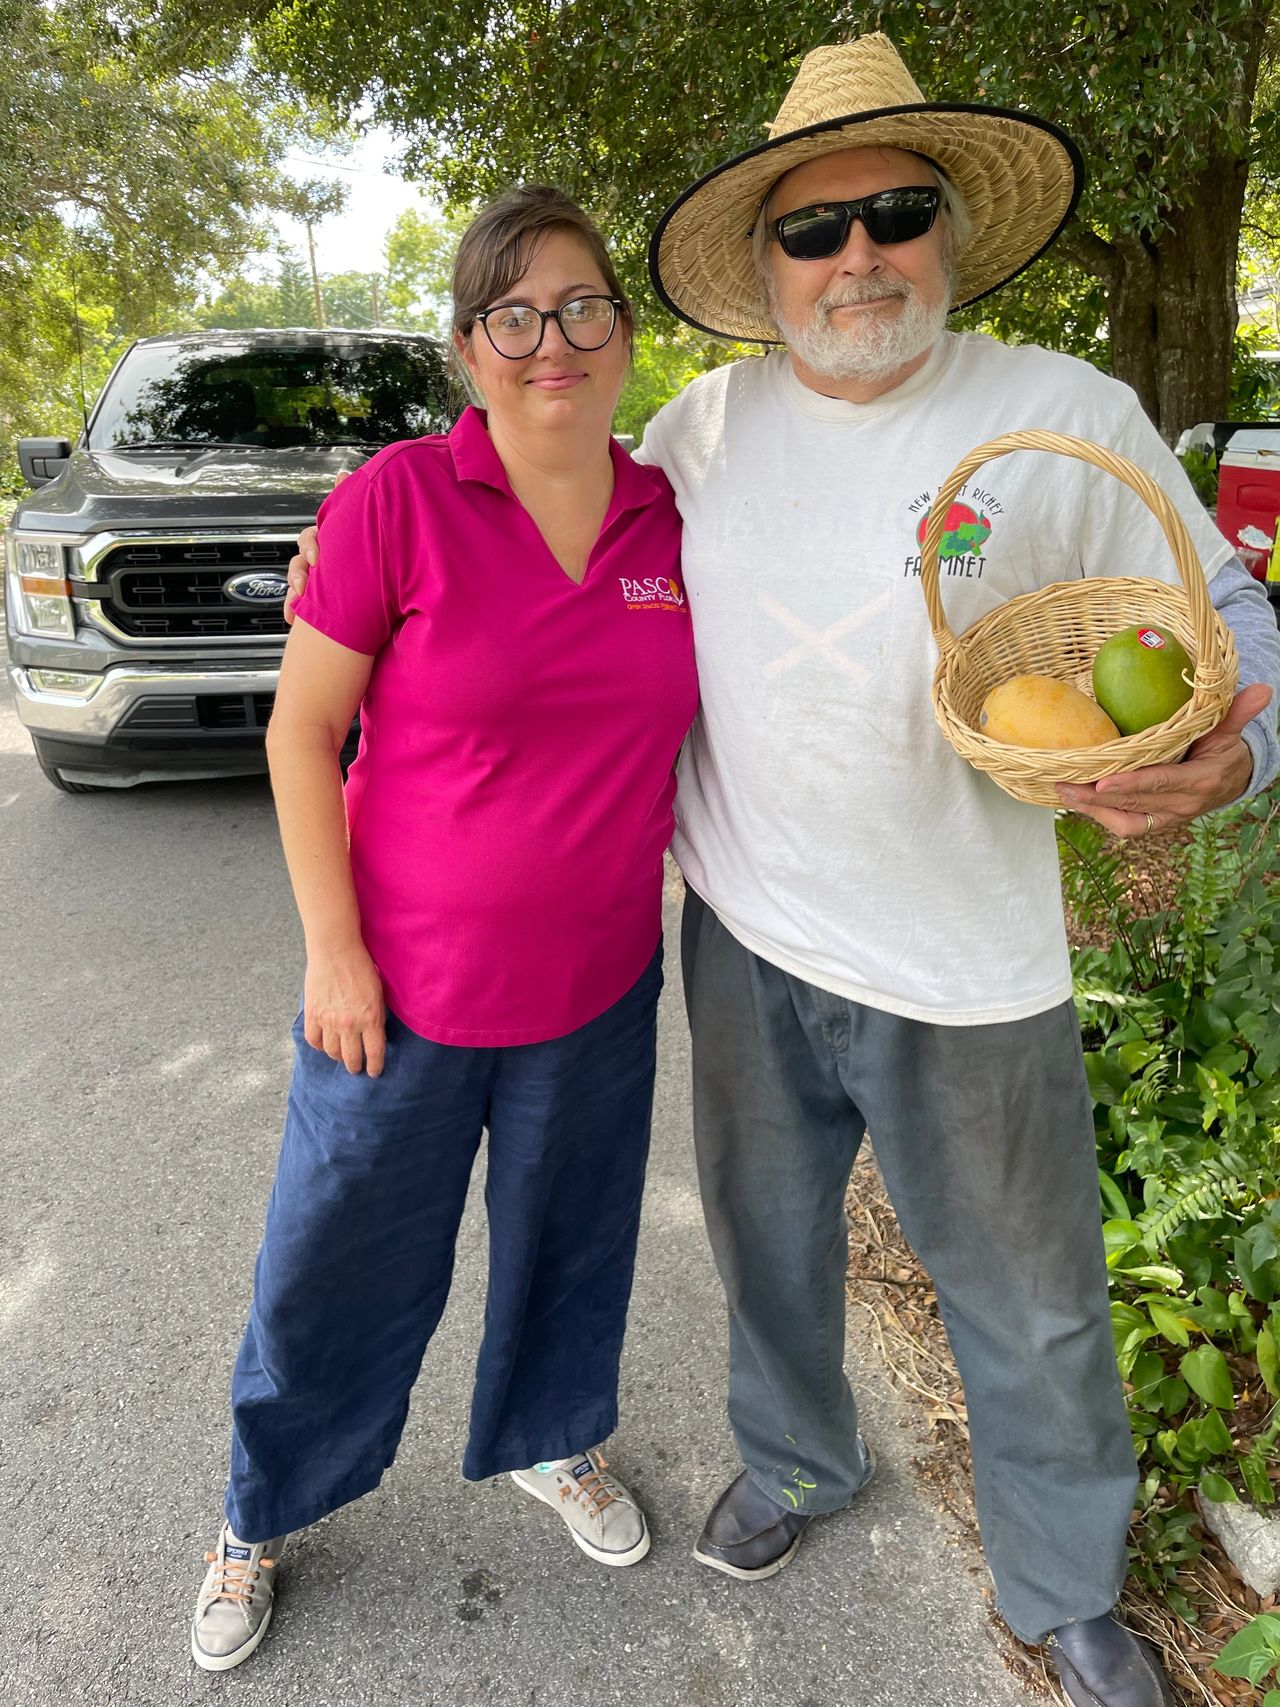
234 1605
602 1516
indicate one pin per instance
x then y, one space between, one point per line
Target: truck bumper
142 723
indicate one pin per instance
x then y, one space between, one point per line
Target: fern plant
1179 1002
1207 1194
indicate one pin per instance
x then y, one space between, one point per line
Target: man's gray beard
876 345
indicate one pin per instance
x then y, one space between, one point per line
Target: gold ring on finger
1151 824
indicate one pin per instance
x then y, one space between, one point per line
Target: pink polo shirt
511 799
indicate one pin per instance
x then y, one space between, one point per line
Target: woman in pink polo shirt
483 924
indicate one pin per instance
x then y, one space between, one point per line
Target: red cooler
1249 495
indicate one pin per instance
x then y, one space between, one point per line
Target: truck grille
225 711
179 589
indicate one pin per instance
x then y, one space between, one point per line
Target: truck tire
60 782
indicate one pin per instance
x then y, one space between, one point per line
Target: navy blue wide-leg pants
357 1256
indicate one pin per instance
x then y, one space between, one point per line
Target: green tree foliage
42 362
311 200
294 304
412 293
623 102
156 174
309 203
122 179
420 252
242 303
349 298
664 358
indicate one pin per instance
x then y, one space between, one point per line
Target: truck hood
186 488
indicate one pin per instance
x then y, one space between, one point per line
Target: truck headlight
73 684
39 588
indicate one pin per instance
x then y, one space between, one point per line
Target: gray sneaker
235 1600
602 1516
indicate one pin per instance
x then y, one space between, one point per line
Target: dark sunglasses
889 216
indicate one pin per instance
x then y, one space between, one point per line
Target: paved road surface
150 969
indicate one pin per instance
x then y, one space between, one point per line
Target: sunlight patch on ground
673 1205
729 1633
20 1288
14 738
195 1054
210 1070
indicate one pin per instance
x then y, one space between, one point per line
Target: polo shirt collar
474 458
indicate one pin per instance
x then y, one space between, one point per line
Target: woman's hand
300 568
305 561
343 1010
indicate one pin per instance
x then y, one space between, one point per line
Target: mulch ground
1150 880
887 1284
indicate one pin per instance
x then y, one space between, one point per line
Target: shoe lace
235 1579
595 1490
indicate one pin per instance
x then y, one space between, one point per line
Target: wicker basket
1058 631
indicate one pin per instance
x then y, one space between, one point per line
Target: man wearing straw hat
873 935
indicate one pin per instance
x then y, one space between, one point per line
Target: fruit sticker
1151 639
964 532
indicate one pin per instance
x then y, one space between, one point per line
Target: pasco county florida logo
652 592
964 533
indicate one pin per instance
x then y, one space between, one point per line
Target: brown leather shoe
1101 1664
750 1536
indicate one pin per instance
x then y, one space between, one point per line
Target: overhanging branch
1091 253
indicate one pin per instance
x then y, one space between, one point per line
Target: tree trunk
316 293
1172 304
1171 299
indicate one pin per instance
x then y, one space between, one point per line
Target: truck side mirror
42 460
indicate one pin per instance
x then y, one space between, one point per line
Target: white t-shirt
820 811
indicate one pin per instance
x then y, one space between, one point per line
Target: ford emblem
256 587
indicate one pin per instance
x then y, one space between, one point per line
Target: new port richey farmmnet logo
965 532
654 592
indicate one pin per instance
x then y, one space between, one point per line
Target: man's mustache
865 290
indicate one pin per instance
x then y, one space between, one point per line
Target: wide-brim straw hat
1020 176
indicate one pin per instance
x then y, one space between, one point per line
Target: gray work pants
985 1140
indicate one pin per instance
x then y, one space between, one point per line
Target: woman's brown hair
501 241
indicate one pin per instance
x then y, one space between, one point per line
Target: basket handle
1210 661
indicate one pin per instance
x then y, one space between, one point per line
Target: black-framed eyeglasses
889 216
515 329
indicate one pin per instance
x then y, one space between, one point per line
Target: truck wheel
60 782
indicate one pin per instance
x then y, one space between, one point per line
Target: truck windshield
225 393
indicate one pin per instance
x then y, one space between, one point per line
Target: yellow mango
1041 711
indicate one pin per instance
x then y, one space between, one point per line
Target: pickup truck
145 574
